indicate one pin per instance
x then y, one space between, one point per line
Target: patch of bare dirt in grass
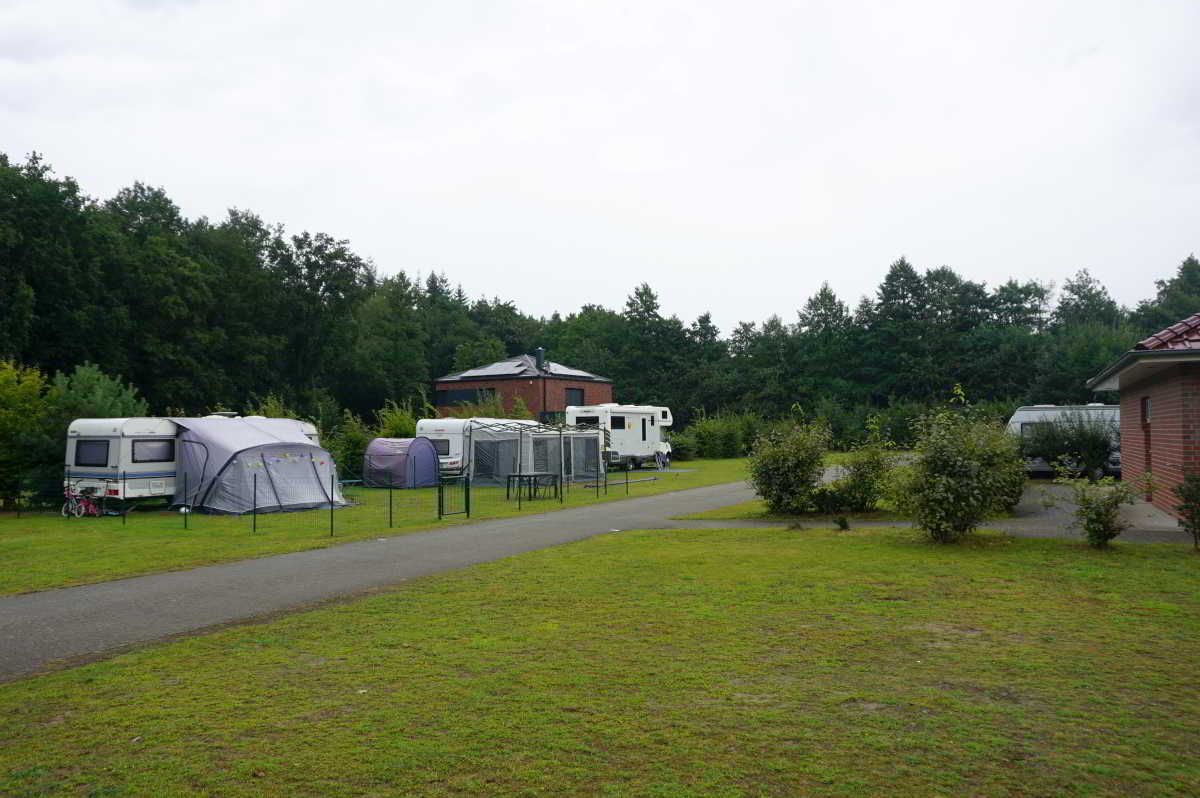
998 694
949 630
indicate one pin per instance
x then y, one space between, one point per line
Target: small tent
222 462
400 463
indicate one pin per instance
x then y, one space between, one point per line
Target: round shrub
786 466
963 469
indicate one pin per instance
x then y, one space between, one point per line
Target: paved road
37 629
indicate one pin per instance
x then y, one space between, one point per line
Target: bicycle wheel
66 510
78 510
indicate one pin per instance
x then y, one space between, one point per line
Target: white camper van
635 431
134 458
1026 419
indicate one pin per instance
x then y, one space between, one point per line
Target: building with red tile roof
1159 382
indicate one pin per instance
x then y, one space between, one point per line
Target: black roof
522 366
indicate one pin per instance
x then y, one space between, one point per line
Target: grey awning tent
400 463
500 448
221 461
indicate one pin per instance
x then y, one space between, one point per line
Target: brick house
545 386
1159 381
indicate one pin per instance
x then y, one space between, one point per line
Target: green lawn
43 550
756 510
665 663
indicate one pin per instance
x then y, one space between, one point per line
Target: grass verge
699 662
43 550
756 510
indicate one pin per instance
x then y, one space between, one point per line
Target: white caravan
132 458
449 436
1026 419
635 431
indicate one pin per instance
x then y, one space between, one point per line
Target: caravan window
591 421
1028 427
153 451
618 422
91 453
441 446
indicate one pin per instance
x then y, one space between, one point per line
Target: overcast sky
734 155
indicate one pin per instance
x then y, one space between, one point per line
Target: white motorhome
449 436
1026 419
133 458
635 431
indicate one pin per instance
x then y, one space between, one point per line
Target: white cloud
732 155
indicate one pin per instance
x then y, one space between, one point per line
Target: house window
461 396
574 396
153 451
91 453
618 422
1145 409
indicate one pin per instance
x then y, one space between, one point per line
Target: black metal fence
367 510
454 495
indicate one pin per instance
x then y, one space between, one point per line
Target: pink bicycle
79 504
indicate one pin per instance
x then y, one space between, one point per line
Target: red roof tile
1184 335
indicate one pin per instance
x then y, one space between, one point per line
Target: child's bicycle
79 504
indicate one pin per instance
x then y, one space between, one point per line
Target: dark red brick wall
530 389
1169 446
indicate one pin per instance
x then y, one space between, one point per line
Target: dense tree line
202 315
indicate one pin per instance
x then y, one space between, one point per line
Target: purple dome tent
400 463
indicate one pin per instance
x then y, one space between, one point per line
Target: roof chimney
540 355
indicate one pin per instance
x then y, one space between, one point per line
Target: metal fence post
626 480
389 503
331 504
124 496
467 493
440 492
254 506
17 500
